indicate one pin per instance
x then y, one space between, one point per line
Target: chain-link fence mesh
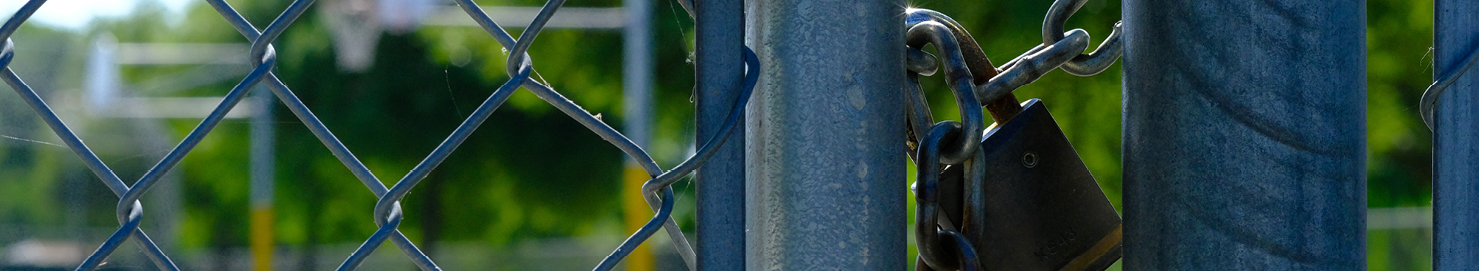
388 213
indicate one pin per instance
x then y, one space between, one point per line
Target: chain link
1083 64
388 213
927 196
967 69
960 81
129 225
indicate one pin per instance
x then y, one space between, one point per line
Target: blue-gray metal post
720 42
637 108
1455 191
637 72
1244 135
824 156
262 172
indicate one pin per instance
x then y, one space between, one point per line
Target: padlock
1037 207
1027 201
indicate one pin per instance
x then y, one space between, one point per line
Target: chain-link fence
974 80
388 213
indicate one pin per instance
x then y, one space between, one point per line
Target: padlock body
1040 209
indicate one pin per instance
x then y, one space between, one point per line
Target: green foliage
530 171
1399 67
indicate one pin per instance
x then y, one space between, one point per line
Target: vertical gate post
636 77
1245 135
721 181
825 136
262 157
1455 227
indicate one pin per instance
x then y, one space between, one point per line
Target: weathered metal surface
720 28
1042 209
826 182
1244 135
1455 153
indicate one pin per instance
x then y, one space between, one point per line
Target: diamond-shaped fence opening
388 213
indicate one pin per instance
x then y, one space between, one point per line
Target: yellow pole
637 213
261 240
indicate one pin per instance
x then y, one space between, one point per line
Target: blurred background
531 189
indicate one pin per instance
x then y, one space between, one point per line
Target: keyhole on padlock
1029 159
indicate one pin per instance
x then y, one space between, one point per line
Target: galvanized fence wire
1429 101
388 214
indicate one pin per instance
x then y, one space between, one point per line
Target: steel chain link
960 81
388 213
1083 64
934 146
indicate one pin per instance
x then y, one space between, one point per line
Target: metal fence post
637 108
1244 135
720 67
262 155
825 136
1455 227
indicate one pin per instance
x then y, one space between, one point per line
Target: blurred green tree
531 172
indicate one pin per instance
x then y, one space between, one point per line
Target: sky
75 14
